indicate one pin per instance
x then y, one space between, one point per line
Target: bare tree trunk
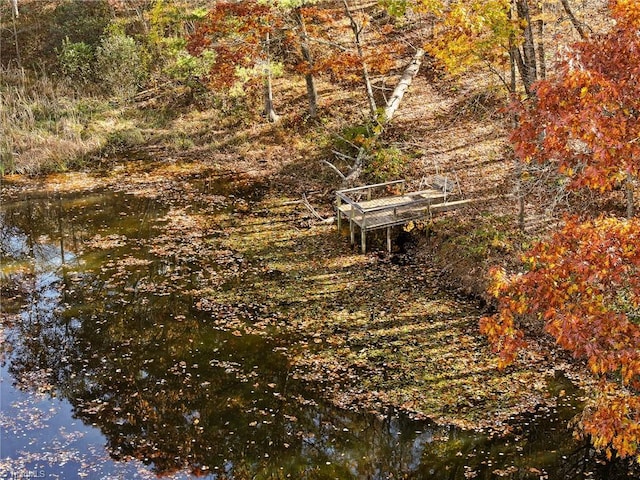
269 111
519 192
513 52
403 85
628 187
542 66
527 60
357 32
312 93
522 68
517 163
14 16
576 23
513 73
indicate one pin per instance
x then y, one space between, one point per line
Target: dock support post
363 233
389 239
352 233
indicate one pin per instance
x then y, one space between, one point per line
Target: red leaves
236 33
587 119
584 285
613 423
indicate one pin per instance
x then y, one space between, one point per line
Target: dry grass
46 126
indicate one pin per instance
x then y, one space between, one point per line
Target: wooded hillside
533 107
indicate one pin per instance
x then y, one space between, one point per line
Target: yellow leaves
499 281
430 6
613 422
573 288
472 32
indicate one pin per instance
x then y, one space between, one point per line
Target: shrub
119 65
386 164
76 61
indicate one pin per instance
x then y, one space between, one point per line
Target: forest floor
372 331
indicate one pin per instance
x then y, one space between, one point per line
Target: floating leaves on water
180 318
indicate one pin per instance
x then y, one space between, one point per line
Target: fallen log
403 85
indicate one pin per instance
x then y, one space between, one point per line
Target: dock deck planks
388 211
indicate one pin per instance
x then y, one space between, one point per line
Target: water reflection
97 313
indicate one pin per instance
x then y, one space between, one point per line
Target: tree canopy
583 284
586 119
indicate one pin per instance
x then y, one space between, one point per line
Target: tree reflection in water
94 315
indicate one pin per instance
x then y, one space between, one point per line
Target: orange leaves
628 10
336 55
236 33
613 423
584 285
586 119
340 66
505 338
320 41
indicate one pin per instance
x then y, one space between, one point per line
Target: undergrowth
46 126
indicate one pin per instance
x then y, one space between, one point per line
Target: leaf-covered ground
371 332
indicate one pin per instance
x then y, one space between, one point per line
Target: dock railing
369 211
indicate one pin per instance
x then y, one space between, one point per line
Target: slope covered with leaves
371 330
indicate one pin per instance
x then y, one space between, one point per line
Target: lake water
109 371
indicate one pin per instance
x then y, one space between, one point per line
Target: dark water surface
109 371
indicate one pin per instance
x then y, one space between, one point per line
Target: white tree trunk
269 111
312 93
403 85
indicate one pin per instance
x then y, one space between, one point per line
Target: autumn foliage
586 120
582 286
235 32
336 58
472 32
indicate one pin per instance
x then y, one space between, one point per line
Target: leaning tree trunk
312 93
392 105
357 33
403 85
574 21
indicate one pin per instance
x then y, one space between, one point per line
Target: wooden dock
370 207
